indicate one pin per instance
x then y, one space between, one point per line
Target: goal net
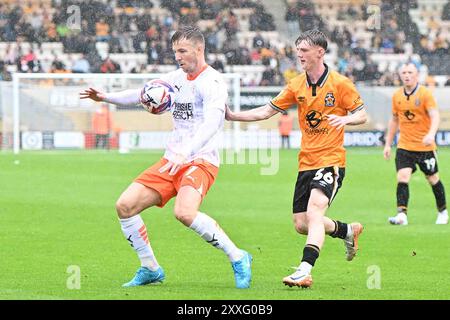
44 112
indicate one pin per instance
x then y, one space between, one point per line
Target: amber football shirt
322 145
413 119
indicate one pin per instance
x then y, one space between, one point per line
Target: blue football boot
243 271
145 276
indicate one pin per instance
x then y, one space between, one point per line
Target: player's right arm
256 114
392 130
123 98
280 103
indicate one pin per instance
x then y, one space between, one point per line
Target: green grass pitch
57 211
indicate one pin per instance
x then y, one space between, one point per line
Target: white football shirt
192 99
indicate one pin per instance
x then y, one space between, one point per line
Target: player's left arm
428 139
433 112
353 119
210 127
351 101
215 96
207 130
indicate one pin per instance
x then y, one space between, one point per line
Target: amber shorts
199 174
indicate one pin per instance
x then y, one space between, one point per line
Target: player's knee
433 179
184 214
301 227
300 224
403 180
403 177
124 209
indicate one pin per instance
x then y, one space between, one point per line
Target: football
157 96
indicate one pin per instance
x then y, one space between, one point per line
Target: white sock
135 232
349 231
305 267
210 231
444 212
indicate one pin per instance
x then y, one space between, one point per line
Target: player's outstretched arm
392 130
256 114
93 94
124 98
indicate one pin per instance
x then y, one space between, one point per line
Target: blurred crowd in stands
130 26
389 35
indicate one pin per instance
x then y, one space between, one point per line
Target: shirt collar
321 80
412 92
194 76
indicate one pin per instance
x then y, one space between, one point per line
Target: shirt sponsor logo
183 111
313 120
409 115
316 131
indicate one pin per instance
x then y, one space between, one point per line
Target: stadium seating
424 15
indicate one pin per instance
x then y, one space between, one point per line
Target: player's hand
93 94
387 152
173 165
338 121
428 139
228 114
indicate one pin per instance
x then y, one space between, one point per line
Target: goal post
44 103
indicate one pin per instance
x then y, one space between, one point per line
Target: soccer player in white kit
189 165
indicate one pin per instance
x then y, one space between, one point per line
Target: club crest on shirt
329 100
417 102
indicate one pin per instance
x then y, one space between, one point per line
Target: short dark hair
314 38
188 33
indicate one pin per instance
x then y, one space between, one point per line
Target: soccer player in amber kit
326 102
415 114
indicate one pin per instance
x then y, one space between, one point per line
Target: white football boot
399 219
299 278
442 217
